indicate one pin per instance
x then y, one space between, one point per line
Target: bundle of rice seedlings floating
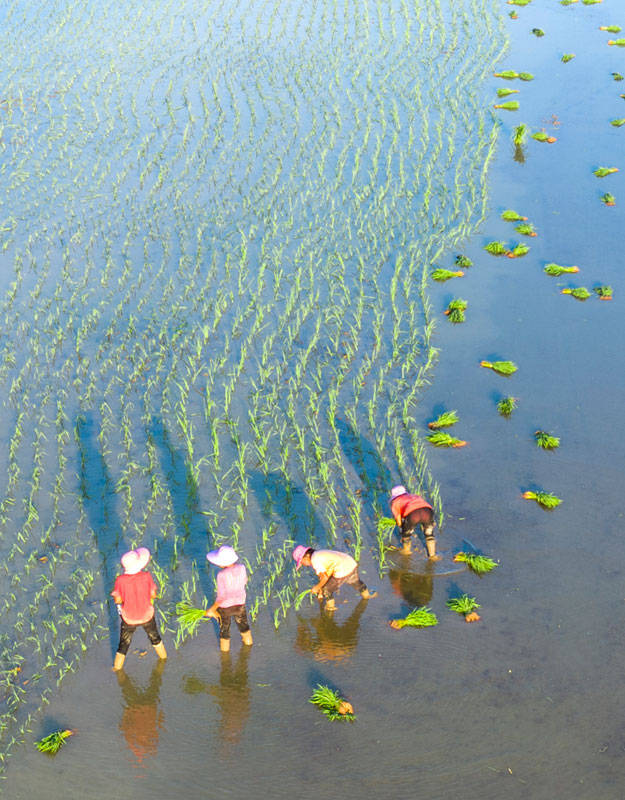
617 77
455 310
476 563
509 105
617 123
591 2
444 420
519 135
526 76
526 229
556 269
513 15
506 92
604 292
518 2
546 441
578 292
464 262
53 742
566 57
601 172
442 275
332 704
507 74
541 136
500 367
512 216
466 606
506 406
610 28
544 499
496 248
608 199
518 251
189 617
442 439
538 32
417 618
567 2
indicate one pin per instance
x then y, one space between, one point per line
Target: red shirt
405 503
135 593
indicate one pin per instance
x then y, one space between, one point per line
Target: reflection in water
141 719
415 588
232 694
325 638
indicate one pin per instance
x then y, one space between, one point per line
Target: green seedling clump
544 499
507 74
509 105
442 439
610 28
526 76
442 275
617 76
541 136
506 406
546 441
604 292
444 420
556 269
476 563
386 525
608 199
466 606
189 617
463 262
566 57
500 367
617 123
518 251
417 618
601 172
617 42
455 310
506 92
526 229
519 2
53 742
496 248
519 135
578 292
538 32
512 216
332 704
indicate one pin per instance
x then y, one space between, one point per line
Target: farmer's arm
212 611
324 577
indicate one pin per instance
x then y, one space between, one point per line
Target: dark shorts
334 584
420 516
126 632
226 615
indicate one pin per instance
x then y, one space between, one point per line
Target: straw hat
298 554
135 560
396 491
224 557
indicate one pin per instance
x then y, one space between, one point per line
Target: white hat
396 491
224 557
135 560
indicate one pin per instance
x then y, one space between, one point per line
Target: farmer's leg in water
240 617
155 638
353 579
327 593
224 629
125 637
430 541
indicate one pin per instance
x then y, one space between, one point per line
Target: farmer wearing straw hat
230 600
410 510
333 570
134 594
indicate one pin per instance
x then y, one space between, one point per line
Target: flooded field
217 231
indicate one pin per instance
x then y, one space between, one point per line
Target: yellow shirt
332 563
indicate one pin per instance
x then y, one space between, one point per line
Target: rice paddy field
218 224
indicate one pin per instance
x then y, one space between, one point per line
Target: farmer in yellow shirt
333 570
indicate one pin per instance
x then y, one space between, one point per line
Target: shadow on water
98 493
366 462
325 638
142 718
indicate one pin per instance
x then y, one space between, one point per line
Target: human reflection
141 718
327 639
415 588
232 694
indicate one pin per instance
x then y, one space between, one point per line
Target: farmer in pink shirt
230 600
333 570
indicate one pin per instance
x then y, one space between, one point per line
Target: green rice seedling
526 76
332 704
543 137
505 92
578 292
512 216
508 105
567 2
603 292
506 406
544 499
608 199
442 439
442 275
518 2
538 32
386 525
465 605
566 57
556 269
546 441
53 742
417 618
455 310
518 251
476 563
617 123
500 367
496 248
507 74
617 77
601 172
518 137
463 262
444 420
189 617
526 229
610 28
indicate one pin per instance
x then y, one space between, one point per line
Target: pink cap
396 491
298 554
135 560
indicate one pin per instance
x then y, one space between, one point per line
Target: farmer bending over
410 510
333 570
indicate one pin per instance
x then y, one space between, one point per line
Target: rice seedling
556 269
506 406
500 367
566 57
591 2
465 605
332 704
508 105
608 199
518 2
455 310
512 216
496 248
444 420
507 74
189 618
603 292
602 172
53 742
610 28
617 77
476 563
519 135
544 499
518 251
505 92
526 229
568 2
617 123
545 441
578 292
418 618
541 136
464 262
513 14
442 275
442 439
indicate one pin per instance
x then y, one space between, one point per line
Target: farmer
134 594
333 570
230 600
410 510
